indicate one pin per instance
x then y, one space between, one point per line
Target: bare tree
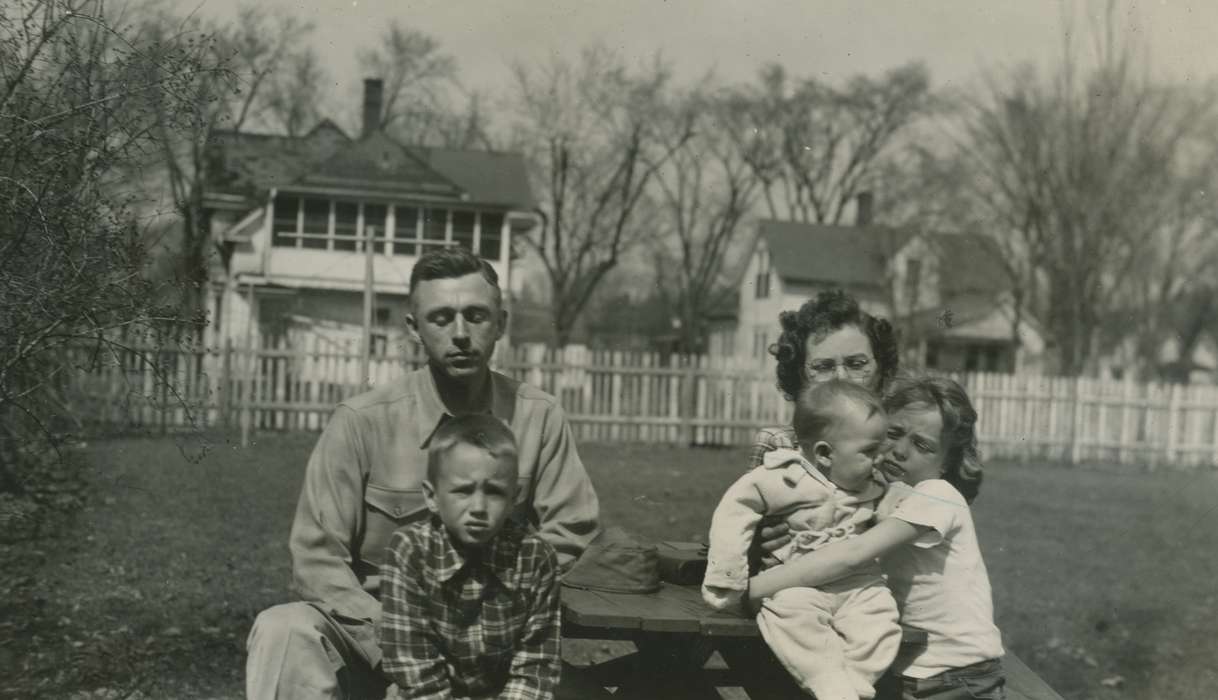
417 76
251 50
705 190
813 146
74 117
296 96
589 130
1079 177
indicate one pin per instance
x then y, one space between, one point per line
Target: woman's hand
772 534
772 537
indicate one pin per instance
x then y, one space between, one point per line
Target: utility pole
369 252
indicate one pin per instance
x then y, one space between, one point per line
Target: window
405 231
383 315
346 221
375 225
435 226
316 230
761 283
344 225
490 236
972 359
913 282
379 345
760 343
285 224
463 228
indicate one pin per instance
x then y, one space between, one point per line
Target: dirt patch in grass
1103 581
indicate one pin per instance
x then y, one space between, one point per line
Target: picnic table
687 650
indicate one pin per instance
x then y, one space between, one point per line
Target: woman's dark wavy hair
962 460
830 311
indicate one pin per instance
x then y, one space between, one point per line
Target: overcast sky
833 38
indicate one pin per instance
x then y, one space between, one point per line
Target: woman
828 337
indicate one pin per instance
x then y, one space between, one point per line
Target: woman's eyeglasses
855 367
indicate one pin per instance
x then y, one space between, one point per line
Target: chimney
374 89
864 201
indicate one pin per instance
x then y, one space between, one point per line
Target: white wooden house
947 294
292 217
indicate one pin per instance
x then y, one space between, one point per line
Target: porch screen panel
463 229
405 231
316 223
435 223
284 233
374 223
346 217
490 237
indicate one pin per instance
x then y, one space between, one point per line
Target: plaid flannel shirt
470 623
768 440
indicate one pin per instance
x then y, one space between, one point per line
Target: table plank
1023 683
596 609
655 612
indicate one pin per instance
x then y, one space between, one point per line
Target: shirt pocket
385 510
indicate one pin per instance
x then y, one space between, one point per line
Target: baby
835 640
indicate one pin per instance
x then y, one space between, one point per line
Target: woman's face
914 445
842 354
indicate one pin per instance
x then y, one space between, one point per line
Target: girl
927 546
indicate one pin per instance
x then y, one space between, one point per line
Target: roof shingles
250 164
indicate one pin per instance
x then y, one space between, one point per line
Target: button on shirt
363 482
470 622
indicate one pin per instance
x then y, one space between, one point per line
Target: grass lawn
1104 581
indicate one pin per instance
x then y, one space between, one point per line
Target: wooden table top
677 609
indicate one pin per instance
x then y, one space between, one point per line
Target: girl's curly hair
830 311
961 460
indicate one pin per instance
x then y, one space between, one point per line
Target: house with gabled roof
948 295
294 218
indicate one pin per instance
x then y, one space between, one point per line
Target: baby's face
857 442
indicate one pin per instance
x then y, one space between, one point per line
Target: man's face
473 495
856 443
458 321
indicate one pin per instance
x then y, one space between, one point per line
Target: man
364 480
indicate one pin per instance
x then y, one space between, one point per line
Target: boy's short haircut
480 430
816 410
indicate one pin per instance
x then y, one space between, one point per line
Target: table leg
668 666
755 668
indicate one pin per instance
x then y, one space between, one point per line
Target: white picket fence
641 397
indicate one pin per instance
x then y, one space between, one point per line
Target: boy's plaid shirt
470 623
768 440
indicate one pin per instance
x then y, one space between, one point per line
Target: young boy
838 639
470 598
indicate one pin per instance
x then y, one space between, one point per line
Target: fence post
1173 422
688 407
1076 421
1214 434
224 388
